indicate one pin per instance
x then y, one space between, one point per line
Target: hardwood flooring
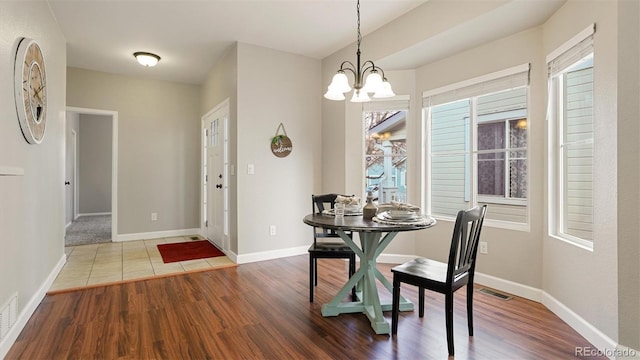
262 311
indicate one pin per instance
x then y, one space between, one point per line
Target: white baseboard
156 234
93 214
602 342
270 255
508 286
30 308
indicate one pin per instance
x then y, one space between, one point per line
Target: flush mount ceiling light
376 82
146 58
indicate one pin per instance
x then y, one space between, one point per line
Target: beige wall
587 281
71 124
629 173
158 146
276 87
221 84
31 206
94 163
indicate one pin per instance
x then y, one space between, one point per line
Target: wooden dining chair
327 244
444 278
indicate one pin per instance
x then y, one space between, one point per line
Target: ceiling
191 36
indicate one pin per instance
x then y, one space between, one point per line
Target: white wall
158 147
31 206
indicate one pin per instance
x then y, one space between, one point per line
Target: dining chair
444 278
327 244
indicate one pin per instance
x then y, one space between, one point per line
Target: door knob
220 176
67 183
219 186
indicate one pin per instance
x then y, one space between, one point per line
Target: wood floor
262 311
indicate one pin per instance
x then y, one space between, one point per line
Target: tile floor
105 263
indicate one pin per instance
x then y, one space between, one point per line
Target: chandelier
375 83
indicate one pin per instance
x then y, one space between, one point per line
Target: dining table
375 235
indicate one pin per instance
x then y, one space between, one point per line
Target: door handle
67 183
219 186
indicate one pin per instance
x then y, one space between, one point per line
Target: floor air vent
495 294
195 238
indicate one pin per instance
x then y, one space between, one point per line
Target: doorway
215 176
90 213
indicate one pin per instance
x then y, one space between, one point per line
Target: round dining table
375 236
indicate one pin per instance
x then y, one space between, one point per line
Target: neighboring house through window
477 148
385 162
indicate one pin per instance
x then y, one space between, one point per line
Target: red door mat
189 250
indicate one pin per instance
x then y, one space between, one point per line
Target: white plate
402 214
409 218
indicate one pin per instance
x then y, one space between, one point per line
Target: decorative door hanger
280 143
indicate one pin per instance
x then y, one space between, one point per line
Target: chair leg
421 302
311 277
449 321
352 270
395 306
315 271
470 307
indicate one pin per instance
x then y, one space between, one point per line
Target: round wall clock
31 90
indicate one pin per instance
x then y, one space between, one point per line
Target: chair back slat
464 243
320 203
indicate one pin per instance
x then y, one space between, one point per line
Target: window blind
571 52
482 85
395 103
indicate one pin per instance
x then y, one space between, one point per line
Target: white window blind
396 103
571 52
486 84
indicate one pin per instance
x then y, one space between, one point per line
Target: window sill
501 201
577 242
507 225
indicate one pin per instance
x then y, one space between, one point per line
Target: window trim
426 143
567 55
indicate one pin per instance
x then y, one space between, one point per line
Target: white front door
216 183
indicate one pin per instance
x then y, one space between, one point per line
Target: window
477 153
385 161
571 134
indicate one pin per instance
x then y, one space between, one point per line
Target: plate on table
413 217
402 214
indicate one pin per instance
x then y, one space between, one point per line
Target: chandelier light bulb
375 83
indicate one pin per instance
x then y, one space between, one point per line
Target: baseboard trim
602 342
511 287
270 255
30 308
93 214
156 234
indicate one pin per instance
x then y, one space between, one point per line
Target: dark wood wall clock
31 90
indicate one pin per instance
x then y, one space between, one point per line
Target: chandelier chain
359 36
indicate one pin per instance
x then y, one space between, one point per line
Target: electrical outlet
154 216
484 247
272 230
